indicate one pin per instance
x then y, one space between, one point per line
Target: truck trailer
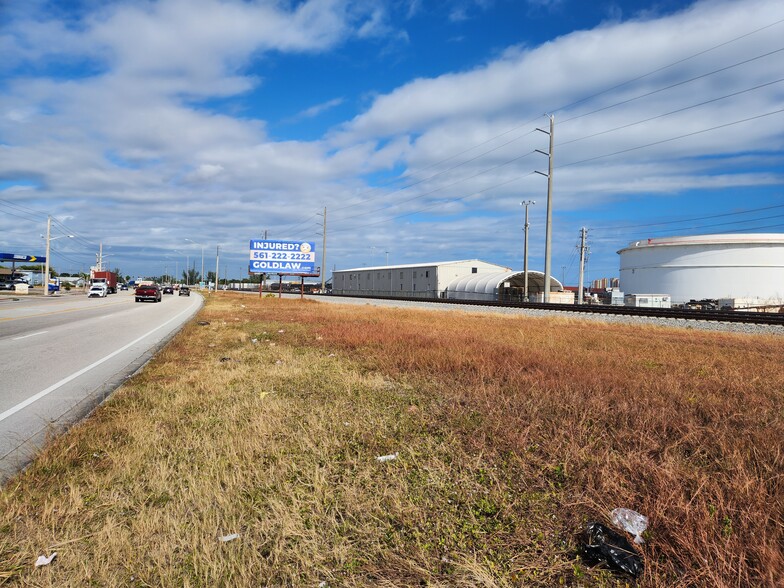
108 278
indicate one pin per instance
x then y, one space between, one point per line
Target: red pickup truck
148 292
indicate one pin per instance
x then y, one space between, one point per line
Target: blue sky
160 127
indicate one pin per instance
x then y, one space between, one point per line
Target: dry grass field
510 435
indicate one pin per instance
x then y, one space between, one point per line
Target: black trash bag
601 544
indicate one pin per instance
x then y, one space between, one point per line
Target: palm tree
191 276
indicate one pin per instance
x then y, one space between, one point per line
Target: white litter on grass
254 341
281 331
231 537
323 584
278 362
631 522
383 458
44 561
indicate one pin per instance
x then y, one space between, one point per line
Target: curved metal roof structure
488 286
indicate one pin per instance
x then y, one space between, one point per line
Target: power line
671 139
739 37
671 112
669 65
675 85
688 220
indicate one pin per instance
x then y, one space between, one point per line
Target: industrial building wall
406 281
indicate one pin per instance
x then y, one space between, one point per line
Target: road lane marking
53 387
30 335
29 316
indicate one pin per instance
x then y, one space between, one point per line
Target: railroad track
726 316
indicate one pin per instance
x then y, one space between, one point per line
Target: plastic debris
254 341
45 561
231 537
602 544
383 458
631 522
203 323
281 331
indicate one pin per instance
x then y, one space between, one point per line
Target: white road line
30 335
53 387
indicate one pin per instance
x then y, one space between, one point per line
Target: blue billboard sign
282 257
22 258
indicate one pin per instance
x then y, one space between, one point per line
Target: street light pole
217 258
202 256
46 271
49 239
526 203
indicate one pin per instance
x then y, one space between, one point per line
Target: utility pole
583 233
324 254
46 271
100 257
525 250
549 222
217 257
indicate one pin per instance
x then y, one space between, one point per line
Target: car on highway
167 289
97 291
185 291
148 292
123 286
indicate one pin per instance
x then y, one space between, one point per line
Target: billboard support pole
280 285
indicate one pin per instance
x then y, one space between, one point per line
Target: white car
98 290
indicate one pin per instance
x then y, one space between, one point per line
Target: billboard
282 257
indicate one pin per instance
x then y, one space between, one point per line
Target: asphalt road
61 356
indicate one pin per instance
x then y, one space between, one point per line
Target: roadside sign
282 257
22 258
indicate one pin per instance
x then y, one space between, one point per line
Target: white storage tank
706 266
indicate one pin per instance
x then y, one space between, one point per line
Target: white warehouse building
470 279
425 280
703 267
